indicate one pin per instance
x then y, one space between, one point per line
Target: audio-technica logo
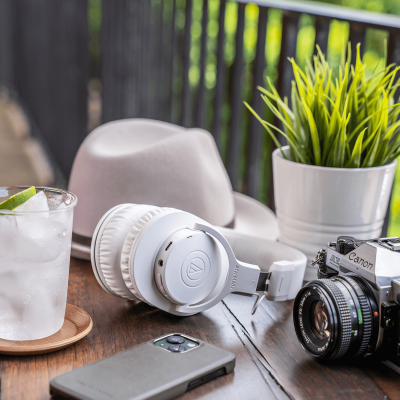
235 272
196 269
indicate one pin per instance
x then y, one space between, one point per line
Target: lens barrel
334 317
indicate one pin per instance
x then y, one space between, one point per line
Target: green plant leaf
314 134
355 160
344 120
276 141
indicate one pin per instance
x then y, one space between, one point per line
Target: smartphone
160 369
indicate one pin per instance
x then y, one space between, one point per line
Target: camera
353 308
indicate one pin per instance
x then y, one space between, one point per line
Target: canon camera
353 309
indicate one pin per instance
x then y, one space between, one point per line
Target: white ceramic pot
314 204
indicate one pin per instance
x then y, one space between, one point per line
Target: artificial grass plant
350 121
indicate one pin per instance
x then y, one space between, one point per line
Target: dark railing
138 75
145 67
44 58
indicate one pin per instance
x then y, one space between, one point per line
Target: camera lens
177 348
320 321
334 318
175 339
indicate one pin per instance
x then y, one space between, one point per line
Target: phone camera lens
177 348
175 339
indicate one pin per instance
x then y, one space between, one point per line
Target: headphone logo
196 269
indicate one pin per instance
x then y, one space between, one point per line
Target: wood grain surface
270 362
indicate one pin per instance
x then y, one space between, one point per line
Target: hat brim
251 218
254 218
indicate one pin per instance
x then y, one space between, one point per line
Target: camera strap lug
320 258
388 314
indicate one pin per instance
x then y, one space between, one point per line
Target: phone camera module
175 340
176 343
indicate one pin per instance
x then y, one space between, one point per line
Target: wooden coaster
77 324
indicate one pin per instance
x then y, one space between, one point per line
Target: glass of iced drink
35 246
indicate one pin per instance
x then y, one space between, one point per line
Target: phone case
145 372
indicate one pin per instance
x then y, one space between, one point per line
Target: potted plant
335 176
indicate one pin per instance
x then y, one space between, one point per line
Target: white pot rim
277 154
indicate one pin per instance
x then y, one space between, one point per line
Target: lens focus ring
366 314
345 316
367 320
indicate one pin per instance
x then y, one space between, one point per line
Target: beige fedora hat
143 161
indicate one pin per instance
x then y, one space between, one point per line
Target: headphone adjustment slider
278 284
262 286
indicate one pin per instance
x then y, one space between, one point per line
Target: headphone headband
267 264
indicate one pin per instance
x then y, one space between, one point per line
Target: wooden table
270 362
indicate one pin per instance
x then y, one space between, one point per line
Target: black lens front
333 317
319 321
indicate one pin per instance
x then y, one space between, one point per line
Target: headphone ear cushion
111 241
127 255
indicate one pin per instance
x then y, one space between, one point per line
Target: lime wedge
20 198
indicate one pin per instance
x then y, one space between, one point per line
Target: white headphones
181 264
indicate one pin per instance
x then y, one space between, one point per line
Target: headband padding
111 241
262 252
127 255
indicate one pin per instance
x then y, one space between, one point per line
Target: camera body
353 309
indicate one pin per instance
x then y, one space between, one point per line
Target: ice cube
38 239
35 236
42 235
7 227
38 202
34 225
62 214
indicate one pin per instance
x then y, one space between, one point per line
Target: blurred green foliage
374 52
94 19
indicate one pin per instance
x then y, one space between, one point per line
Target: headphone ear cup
127 255
108 256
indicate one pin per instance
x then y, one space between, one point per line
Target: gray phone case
145 372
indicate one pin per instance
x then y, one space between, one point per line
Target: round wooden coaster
77 324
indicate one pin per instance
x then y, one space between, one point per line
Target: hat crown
149 162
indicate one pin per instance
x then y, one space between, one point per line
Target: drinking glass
35 251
